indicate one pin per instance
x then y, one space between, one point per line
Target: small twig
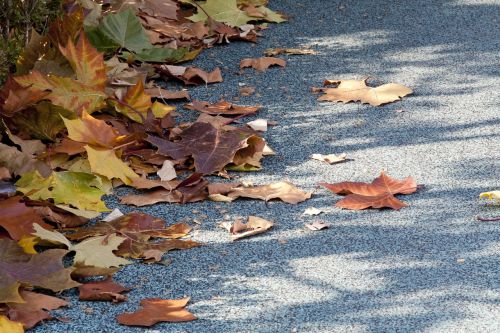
488 219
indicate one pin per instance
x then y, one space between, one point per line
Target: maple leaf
106 290
221 108
191 75
166 94
160 8
378 194
330 158
94 251
136 103
104 162
354 91
293 51
44 270
211 148
18 219
65 92
86 61
88 129
35 308
9 326
226 11
155 310
138 229
79 189
44 122
261 64
14 97
283 190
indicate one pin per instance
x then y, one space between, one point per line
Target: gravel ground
430 267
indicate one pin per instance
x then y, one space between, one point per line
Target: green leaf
123 29
157 54
73 188
226 11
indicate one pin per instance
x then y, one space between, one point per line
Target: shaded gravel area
430 267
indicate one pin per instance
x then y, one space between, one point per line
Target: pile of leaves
83 115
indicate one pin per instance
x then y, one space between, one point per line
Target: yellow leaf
492 195
9 326
28 244
90 130
160 110
104 162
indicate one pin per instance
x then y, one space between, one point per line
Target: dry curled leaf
294 51
254 226
191 75
155 310
317 225
330 158
167 94
312 211
357 91
221 108
283 190
377 194
261 64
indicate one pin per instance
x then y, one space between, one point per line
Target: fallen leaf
221 108
294 51
330 158
10 326
116 213
139 228
312 211
35 308
155 310
254 226
247 91
87 129
44 270
18 219
283 190
258 125
191 75
106 290
73 188
104 162
492 195
354 91
167 171
166 94
379 194
261 64
225 11
317 225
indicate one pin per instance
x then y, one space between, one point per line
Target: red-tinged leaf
222 108
106 290
35 309
44 270
15 98
377 194
86 61
66 27
66 92
156 310
18 219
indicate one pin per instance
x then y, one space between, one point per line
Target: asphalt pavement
430 267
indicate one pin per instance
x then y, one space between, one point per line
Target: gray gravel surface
430 267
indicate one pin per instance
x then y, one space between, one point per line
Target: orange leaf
90 130
155 310
86 61
135 102
66 92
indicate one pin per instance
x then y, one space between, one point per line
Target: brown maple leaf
222 108
35 308
261 64
353 91
191 75
377 194
155 310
